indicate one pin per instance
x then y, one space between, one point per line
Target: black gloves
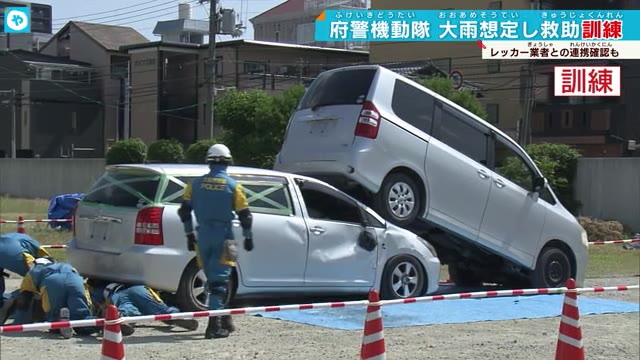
191 242
248 239
248 244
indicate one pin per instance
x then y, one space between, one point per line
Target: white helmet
218 152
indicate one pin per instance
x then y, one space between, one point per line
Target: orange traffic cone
570 337
21 225
373 340
112 346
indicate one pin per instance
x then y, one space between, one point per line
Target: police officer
62 291
17 253
213 198
133 300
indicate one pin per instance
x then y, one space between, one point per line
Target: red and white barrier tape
254 310
627 241
54 246
34 221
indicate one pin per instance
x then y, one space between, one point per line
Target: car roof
200 169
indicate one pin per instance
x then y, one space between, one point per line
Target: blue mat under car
453 311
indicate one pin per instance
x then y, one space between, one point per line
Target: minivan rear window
346 87
124 189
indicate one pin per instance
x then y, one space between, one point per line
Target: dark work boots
215 329
227 323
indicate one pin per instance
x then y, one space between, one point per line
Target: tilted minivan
429 165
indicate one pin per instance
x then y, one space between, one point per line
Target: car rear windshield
346 87
124 189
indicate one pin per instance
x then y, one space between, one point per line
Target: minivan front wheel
553 269
399 199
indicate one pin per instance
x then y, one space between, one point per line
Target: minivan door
323 126
515 215
459 180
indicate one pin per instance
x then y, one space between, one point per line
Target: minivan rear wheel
192 292
399 199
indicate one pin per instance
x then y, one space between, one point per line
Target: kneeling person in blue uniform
213 198
63 293
17 253
134 300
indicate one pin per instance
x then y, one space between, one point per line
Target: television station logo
17 20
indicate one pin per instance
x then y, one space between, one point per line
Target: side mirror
538 184
367 241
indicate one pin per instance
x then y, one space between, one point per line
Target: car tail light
149 226
368 122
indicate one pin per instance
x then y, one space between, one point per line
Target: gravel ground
605 337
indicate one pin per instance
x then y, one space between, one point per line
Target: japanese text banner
470 25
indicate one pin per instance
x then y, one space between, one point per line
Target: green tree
255 122
462 97
197 152
130 151
166 151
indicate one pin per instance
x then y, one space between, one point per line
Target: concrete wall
610 189
46 178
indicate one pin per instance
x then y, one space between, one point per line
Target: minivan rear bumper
157 267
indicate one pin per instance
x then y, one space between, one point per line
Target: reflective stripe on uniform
111 289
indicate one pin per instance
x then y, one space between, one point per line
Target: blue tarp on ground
61 207
454 311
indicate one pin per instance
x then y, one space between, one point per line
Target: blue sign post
17 20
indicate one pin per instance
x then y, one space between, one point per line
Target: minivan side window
413 105
509 164
456 131
348 87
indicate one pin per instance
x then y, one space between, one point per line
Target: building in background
99 45
41 27
184 29
56 106
293 22
168 89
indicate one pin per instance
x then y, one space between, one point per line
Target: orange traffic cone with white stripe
570 337
21 225
373 340
112 346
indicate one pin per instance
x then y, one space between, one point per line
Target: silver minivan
429 165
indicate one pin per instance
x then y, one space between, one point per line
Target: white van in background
431 166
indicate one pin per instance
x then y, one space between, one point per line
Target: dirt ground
605 337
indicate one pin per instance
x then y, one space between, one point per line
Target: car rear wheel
403 277
553 269
192 292
399 199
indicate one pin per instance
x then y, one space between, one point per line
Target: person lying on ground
133 300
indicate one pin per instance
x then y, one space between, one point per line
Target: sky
143 14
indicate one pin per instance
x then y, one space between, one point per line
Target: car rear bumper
157 267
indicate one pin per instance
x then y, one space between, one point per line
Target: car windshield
128 189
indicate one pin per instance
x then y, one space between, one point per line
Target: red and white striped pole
21 225
373 340
569 345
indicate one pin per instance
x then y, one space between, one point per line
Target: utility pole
13 123
213 31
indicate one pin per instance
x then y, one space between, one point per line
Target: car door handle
483 174
317 230
499 183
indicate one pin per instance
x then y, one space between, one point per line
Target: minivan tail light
368 121
149 226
